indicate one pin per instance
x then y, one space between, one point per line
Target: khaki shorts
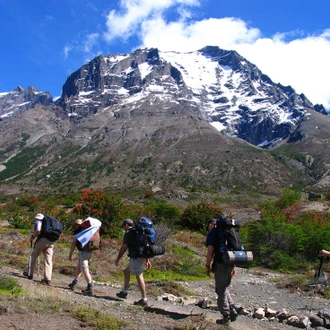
136 265
84 257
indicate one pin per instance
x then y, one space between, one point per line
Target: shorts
84 257
136 265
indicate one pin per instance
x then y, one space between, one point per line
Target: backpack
146 238
229 247
94 243
51 228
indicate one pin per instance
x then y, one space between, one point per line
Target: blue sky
43 42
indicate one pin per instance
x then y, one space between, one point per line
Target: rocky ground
252 289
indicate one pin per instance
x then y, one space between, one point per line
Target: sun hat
128 222
39 216
78 222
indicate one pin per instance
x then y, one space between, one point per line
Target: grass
9 285
98 319
48 302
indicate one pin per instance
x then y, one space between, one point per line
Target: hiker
135 266
222 274
127 225
83 257
324 253
42 245
211 224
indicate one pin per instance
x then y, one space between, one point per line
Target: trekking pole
318 273
38 269
29 264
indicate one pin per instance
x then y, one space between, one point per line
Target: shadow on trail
173 315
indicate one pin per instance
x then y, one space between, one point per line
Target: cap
39 216
128 221
212 221
78 222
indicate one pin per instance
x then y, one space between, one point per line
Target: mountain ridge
147 120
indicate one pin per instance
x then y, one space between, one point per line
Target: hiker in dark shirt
222 274
135 262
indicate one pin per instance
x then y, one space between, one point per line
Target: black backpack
229 247
228 235
51 228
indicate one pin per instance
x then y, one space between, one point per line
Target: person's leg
77 274
48 263
38 247
84 265
127 276
142 285
222 274
136 267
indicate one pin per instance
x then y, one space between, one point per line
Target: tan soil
248 289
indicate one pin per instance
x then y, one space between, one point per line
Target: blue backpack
146 238
145 232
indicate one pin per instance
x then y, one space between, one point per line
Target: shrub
107 208
195 217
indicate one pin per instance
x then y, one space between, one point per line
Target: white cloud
287 58
124 23
66 50
181 36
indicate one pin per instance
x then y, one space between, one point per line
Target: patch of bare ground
252 289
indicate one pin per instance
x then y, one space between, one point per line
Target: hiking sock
90 285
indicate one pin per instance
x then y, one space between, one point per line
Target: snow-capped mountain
163 120
228 91
19 100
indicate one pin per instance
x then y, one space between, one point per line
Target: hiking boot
122 294
89 291
72 286
233 314
224 321
25 273
141 302
46 282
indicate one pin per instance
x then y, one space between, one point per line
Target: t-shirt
211 239
130 241
37 225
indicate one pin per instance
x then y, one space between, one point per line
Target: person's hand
31 238
70 258
233 273
148 264
324 253
117 262
208 271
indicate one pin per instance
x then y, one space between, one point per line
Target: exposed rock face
228 91
168 120
19 100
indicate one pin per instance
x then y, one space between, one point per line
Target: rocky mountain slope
165 120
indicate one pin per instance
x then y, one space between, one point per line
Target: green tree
196 216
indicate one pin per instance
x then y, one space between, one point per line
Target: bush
195 217
107 208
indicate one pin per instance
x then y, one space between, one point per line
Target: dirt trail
248 289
